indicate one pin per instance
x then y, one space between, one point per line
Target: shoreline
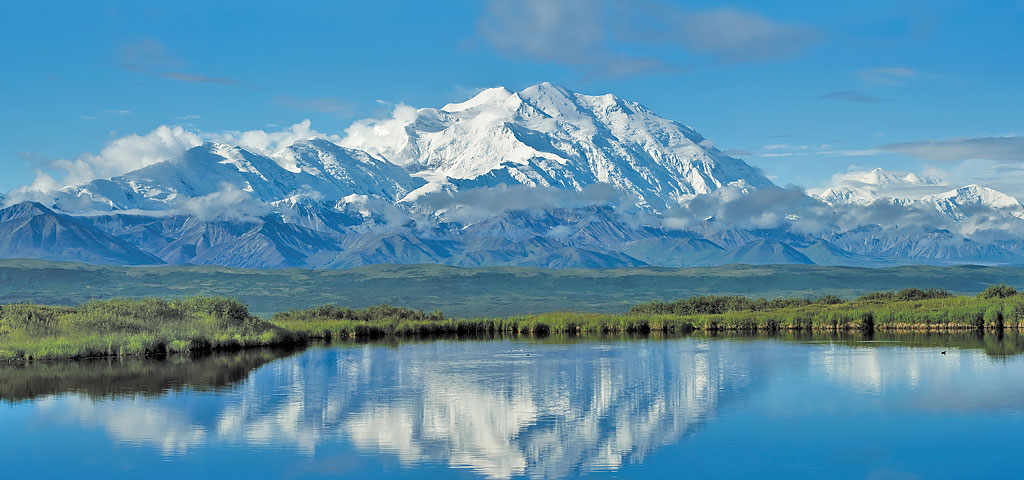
147 327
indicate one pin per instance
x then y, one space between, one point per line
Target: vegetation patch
154 326
132 327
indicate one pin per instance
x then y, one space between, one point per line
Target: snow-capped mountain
548 136
541 177
867 187
226 175
962 202
907 189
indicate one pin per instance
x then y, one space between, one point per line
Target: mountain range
542 177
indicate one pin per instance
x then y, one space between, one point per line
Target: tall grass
132 327
905 310
154 326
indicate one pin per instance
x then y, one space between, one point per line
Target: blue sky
801 89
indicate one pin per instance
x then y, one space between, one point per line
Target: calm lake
823 407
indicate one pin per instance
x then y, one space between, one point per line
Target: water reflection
112 377
585 407
503 408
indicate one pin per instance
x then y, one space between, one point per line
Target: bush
712 304
907 294
998 291
829 300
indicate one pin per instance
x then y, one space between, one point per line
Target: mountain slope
971 199
30 230
231 175
868 187
549 136
541 177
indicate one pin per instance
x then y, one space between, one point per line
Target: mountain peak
548 136
24 209
486 96
977 195
546 88
868 186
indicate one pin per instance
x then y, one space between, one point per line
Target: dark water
887 407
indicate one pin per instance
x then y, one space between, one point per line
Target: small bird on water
943 352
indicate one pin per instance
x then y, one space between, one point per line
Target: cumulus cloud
382 137
228 203
269 142
122 155
132 152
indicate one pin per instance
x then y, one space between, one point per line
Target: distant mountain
867 187
964 202
30 230
901 188
540 177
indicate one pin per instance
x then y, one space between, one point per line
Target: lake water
690 407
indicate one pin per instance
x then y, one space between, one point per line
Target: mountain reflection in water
499 408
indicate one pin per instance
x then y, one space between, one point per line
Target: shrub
998 291
829 300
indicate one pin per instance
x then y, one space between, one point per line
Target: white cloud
268 143
228 203
122 155
383 137
132 152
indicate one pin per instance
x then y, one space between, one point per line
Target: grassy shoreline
115 328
